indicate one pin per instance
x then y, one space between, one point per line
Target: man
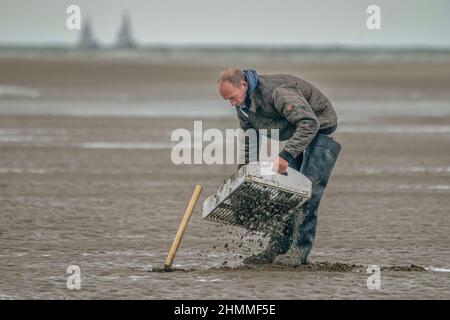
305 118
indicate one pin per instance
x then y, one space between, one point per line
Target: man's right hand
280 165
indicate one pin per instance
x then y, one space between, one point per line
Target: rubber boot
279 243
318 162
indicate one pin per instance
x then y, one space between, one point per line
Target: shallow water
351 110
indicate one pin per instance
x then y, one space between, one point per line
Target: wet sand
110 76
74 191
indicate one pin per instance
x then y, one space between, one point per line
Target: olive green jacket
294 106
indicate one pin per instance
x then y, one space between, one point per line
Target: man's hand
280 165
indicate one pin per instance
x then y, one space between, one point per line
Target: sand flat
114 210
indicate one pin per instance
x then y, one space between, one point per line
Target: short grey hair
233 76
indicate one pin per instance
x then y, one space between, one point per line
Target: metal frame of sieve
253 197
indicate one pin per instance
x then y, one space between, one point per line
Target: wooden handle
182 227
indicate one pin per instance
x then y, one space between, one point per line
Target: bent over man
305 118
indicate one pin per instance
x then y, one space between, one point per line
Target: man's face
236 95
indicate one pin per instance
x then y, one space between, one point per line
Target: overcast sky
293 22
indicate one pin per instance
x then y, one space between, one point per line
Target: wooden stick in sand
182 227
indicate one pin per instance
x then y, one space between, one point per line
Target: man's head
233 86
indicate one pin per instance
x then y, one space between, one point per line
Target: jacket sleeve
248 139
292 105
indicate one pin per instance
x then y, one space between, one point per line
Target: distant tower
124 38
86 40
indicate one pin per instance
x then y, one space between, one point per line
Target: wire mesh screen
255 201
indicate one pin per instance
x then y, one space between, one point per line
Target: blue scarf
252 79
